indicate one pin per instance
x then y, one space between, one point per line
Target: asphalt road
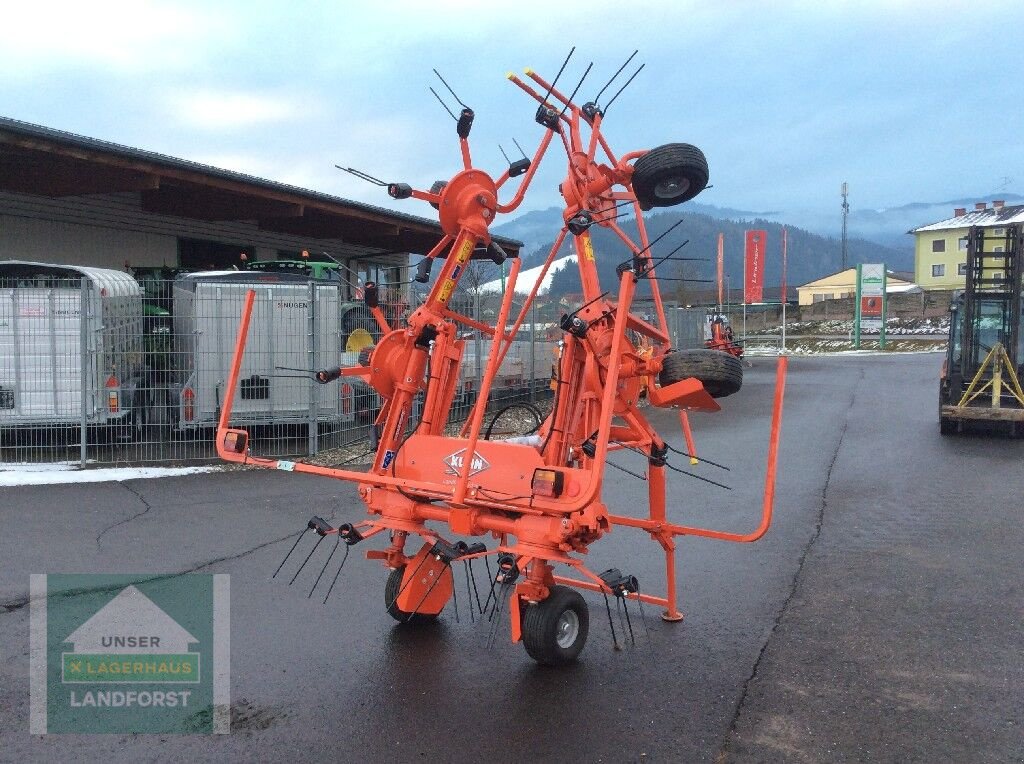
879 619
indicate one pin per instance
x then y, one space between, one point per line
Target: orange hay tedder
538 496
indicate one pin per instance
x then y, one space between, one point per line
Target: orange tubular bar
590 586
485 385
769 483
537 157
236 365
382 322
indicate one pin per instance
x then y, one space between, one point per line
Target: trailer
297 325
71 347
980 379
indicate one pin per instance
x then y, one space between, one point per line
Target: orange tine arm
547 86
534 165
659 306
485 386
531 92
381 319
532 296
769 482
236 365
684 420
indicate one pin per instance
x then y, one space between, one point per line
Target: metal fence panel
89 378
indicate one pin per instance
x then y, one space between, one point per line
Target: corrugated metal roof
849 279
988 217
42 133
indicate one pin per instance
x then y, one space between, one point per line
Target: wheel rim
670 188
567 629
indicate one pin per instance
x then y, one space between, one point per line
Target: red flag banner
721 265
754 266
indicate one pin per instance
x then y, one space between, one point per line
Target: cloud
115 36
209 109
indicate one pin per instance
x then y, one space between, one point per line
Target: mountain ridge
809 256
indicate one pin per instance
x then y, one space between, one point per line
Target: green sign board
870 307
122 654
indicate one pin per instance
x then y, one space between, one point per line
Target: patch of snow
51 474
527 278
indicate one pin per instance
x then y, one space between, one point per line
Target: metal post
783 326
885 307
846 211
533 351
856 312
314 393
83 353
477 344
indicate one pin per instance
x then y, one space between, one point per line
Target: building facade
940 249
844 285
69 199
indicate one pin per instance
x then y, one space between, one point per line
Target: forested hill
809 256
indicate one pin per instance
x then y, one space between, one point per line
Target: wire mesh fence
96 369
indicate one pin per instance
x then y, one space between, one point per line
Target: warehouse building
66 198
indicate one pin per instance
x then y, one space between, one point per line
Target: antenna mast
846 212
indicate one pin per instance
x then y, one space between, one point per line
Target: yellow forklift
983 367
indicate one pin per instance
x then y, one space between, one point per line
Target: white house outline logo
455 461
131 624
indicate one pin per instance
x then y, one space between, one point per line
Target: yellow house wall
836 286
952 258
924 259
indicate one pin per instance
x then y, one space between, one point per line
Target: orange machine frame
472 486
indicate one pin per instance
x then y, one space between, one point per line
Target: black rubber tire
669 175
391 590
947 426
132 427
437 187
355 315
541 626
364 355
720 373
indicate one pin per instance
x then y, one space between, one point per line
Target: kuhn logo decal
457 461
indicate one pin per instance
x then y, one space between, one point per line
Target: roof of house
893 282
991 216
40 160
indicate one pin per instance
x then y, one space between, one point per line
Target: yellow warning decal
465 251
588 248
446 290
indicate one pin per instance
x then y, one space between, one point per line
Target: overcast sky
907 101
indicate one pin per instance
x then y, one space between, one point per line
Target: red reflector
189 409
548 483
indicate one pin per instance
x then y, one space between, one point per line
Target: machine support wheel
669 175
391 590
720 373
555 630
